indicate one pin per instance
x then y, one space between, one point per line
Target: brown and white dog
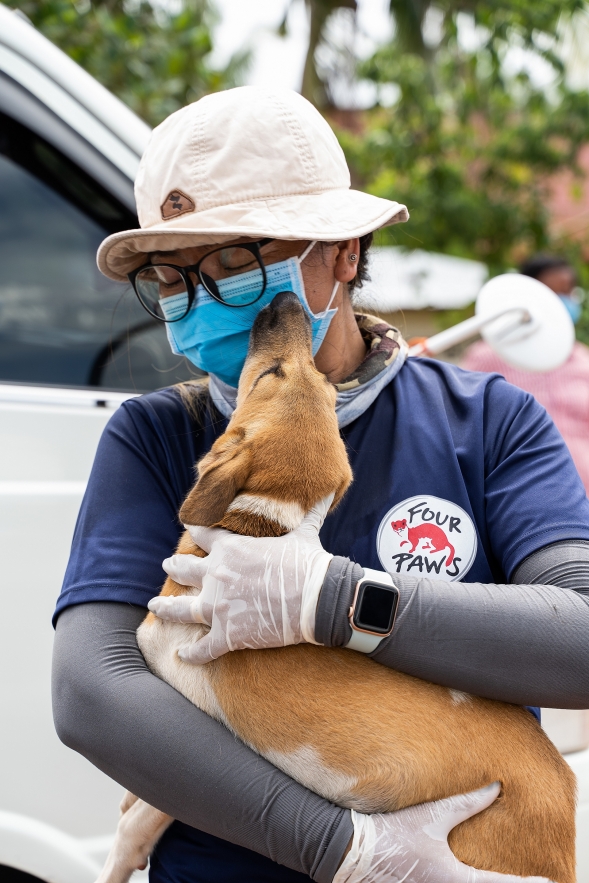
304 708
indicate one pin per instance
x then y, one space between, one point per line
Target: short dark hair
540 263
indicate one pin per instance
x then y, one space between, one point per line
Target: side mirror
520 318
542 340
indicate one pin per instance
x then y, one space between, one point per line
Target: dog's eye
274 369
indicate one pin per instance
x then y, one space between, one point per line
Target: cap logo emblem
175 204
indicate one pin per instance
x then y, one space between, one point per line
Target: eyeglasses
152 283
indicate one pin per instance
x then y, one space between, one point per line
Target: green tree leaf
154 57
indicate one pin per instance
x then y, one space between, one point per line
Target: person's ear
346 262
221 475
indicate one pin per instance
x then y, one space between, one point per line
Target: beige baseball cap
245 162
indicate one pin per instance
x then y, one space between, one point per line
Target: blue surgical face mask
215 337
573 306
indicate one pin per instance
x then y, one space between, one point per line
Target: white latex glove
411 845
256 592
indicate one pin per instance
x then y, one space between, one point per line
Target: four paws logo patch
425 536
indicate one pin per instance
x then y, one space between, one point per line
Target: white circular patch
427 536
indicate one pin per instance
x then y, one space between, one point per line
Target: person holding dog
466 512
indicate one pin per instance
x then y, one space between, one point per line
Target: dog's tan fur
356 732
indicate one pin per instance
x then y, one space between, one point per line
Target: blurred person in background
564 392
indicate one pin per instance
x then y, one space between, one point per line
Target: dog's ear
346 481
221 474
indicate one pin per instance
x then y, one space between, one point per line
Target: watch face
376 607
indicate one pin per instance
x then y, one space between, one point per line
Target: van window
62 322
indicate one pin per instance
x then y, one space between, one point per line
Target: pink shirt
564 393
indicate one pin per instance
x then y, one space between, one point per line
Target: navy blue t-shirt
456 474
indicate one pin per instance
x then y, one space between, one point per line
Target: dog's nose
283 311
283 307
284 315
284 300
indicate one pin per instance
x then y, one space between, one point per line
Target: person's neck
343 348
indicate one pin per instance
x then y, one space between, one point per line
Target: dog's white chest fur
306 766
159 642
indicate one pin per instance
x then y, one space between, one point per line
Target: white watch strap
378 576
361 641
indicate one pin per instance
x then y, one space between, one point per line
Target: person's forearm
150 739
524 643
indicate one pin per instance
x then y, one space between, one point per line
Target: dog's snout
284 311
285 304
282 330
284 300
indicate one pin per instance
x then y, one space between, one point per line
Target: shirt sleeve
524 643
128 520
108 706
533 493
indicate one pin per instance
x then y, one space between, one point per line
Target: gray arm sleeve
109 707
525 643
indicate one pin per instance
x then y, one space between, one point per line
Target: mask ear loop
333 294
307 251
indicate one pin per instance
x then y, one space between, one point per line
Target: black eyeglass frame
184 272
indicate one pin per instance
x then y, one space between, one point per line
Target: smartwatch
373 611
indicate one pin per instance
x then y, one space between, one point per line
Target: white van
73 346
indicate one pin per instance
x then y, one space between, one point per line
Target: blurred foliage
582 327
315 85
468 146
152 56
